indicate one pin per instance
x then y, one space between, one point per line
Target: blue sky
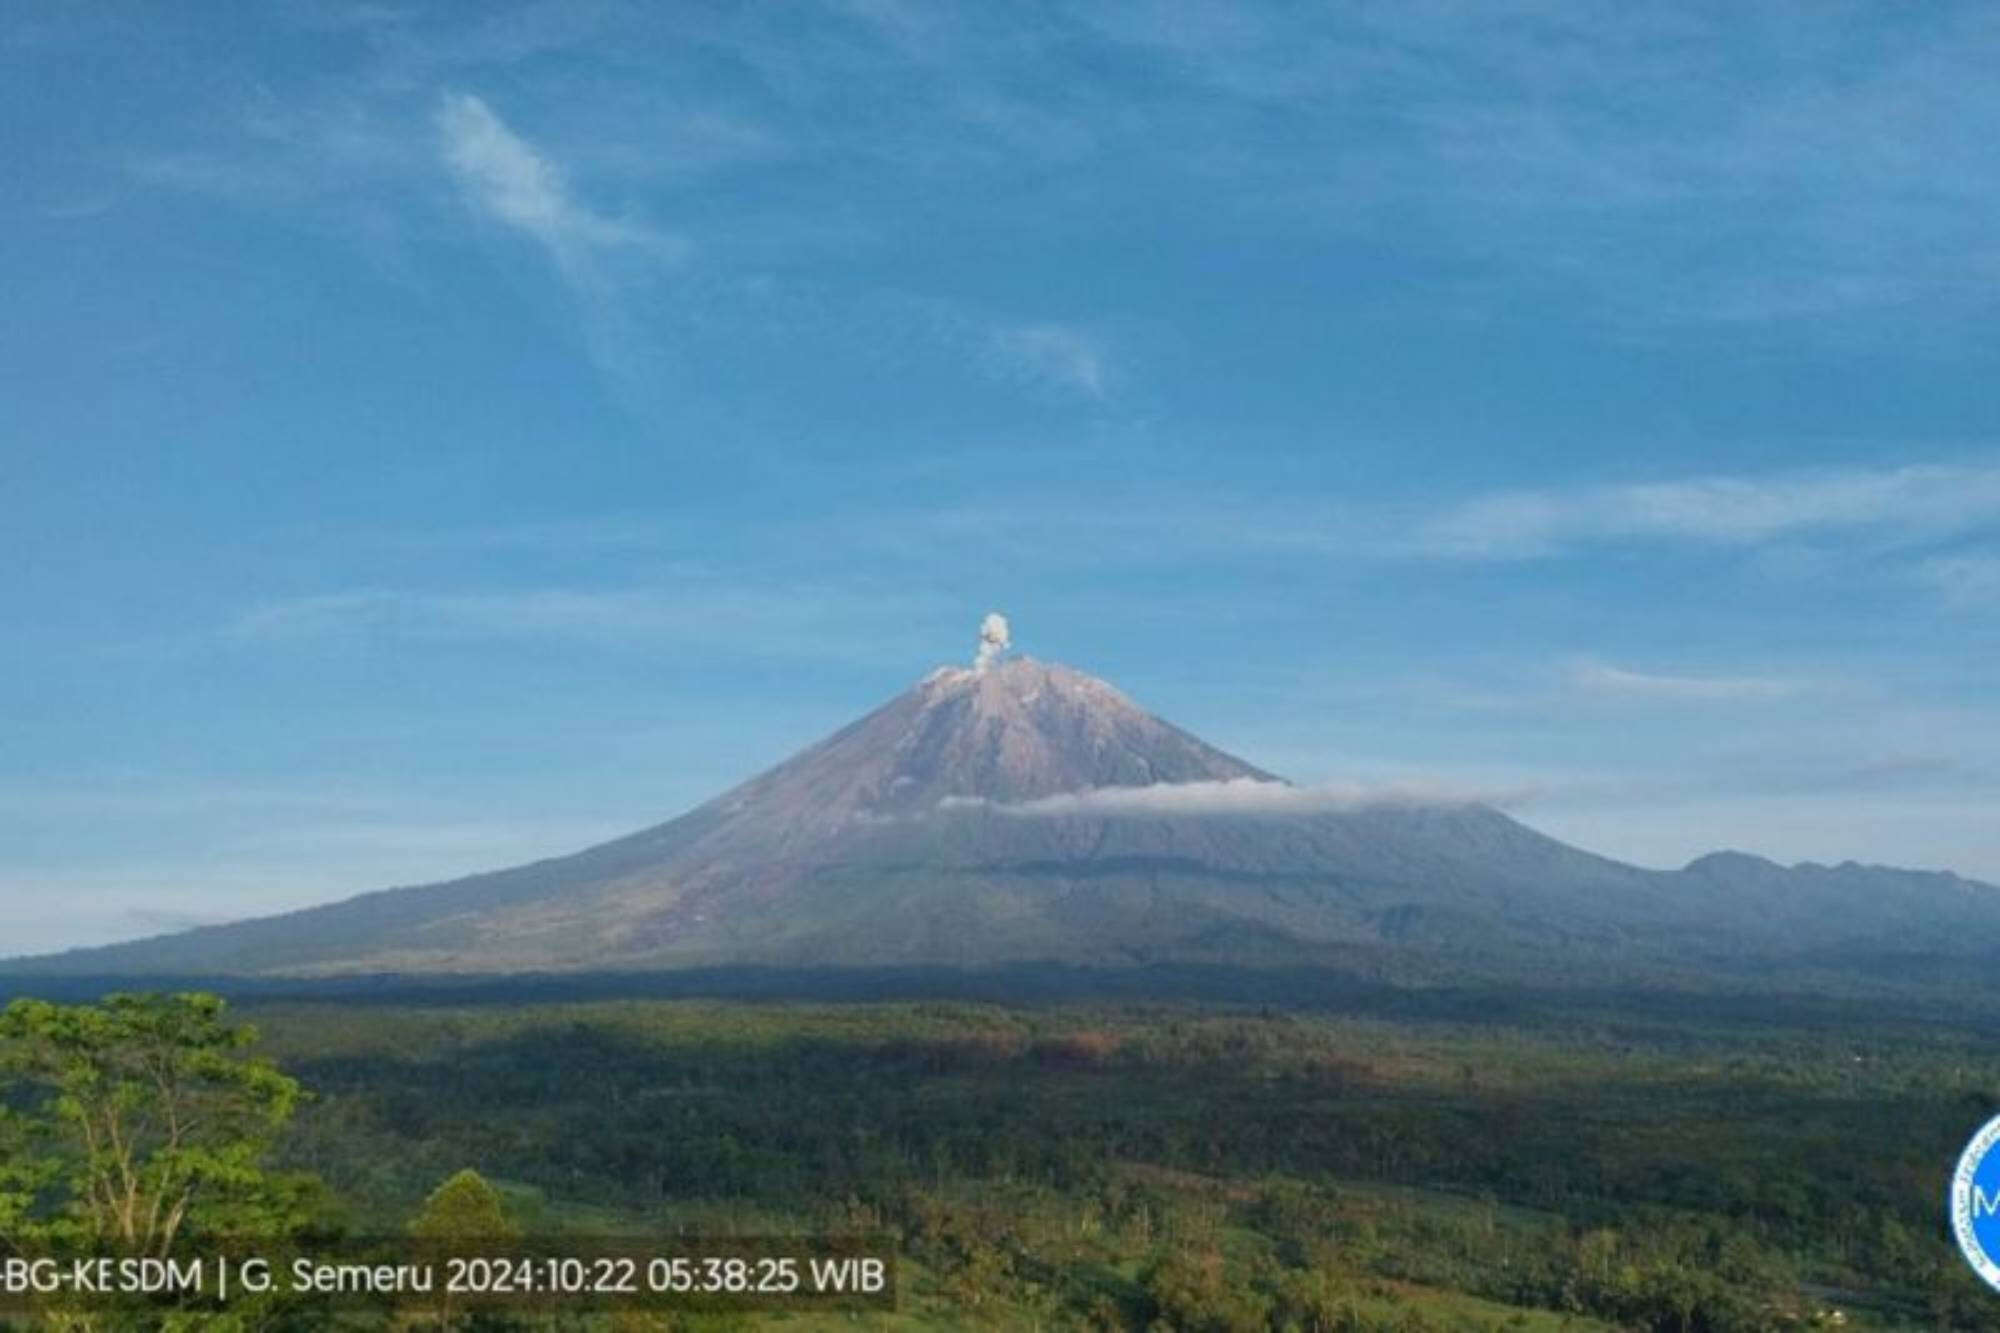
438 436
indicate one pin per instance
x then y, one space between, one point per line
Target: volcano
1023 811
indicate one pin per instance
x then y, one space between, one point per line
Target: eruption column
994 639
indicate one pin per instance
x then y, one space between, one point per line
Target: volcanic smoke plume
994 639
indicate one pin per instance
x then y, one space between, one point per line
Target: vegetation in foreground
1158 1167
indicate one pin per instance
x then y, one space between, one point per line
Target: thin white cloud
422 614
867 623
1604 679
1664 165
166 921
1248 796
1513 525
1052 354
507 179
1964 580
130 798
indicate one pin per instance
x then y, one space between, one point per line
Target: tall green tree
464 1211
465 1215
134 1122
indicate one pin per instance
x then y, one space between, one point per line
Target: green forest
1658 1162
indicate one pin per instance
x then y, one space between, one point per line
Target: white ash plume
994 639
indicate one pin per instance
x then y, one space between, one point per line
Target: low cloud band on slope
1246 796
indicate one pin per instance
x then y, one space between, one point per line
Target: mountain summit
1017 810
1012 731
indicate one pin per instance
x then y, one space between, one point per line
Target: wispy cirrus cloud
507 179
1802 522
1728 178
1600 678
510 181
1054 354
1717 510
1673 168
1966 580
857 623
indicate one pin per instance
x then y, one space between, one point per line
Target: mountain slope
1026 811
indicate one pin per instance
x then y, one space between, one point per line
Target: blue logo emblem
1975 1202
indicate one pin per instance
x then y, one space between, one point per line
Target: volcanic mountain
1020 811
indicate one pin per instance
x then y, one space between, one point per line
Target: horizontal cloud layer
1929 498
1602 678
1245 796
